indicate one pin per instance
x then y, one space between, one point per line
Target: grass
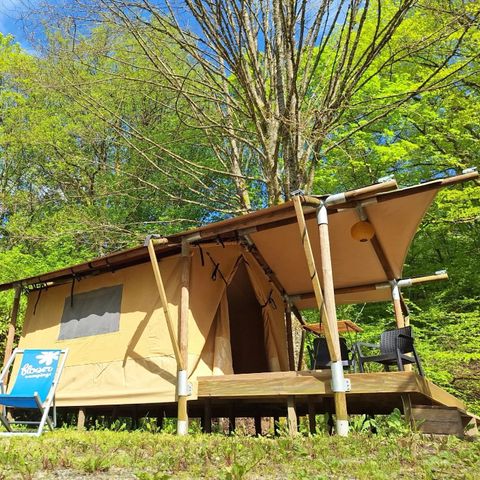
158 456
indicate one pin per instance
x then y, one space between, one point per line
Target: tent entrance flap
247 335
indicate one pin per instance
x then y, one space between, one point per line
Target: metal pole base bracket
339 382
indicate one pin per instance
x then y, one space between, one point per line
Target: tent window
92 313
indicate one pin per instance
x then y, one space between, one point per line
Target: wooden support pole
258 425
312 421
12 326
397 307
180 356
81 418
182 417
397 304
207 417
326 306
302 348
288 326
164 302
231 423
374 286
339 397
276 425
407 409
405 311
292 420
184 304
330 327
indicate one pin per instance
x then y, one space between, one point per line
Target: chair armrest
409 342
365 344
357 346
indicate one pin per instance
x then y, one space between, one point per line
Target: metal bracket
151 237
347 386
339 382
184 387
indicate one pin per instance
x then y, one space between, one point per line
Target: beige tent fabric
222 357
353 263
273 312
135 364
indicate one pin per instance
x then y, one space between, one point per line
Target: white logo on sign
47 358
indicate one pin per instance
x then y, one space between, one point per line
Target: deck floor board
382 389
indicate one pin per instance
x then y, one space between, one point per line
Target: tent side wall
135 363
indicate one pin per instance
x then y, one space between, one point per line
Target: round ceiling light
362 231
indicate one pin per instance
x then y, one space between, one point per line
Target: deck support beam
207 416
312 417
326 306
292 420
81 418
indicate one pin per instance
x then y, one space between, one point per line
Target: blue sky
10 19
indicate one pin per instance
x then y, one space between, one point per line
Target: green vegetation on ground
98 148
148 456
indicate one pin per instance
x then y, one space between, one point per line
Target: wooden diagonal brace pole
331 330
180 351
164 302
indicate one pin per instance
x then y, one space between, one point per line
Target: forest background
147 116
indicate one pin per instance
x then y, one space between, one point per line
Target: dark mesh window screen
92 313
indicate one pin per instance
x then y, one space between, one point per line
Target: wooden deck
372 393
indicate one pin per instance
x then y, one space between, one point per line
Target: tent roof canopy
272 234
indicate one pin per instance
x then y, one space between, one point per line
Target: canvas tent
114 326
242 274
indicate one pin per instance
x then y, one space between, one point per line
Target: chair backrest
36 373
321 354
389 340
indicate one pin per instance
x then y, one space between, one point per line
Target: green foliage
90 139
159 456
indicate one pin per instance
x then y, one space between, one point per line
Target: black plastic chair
320 356
394 346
